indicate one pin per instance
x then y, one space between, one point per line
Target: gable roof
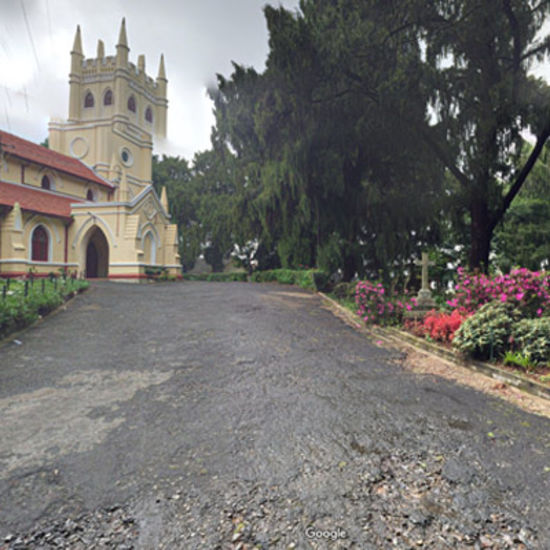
26 150
36 200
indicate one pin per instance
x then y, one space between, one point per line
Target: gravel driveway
235 415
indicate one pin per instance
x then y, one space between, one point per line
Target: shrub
321 280
17 310
532 338
487 332
305 278
376 305
215 277
442 326
267 276
528 290
344 291
227 277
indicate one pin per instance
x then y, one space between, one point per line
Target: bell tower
115 111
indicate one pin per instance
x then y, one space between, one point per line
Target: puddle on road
91 307
289 299
53 421
294 294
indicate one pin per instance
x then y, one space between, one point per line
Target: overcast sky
199 38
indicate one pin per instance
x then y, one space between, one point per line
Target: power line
30 34
7 118
49 20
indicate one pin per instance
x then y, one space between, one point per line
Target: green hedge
216 277
313 279
18 311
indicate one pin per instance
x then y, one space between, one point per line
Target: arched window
46 183
108 98
88 100
149 114
90 195
40 244
132 104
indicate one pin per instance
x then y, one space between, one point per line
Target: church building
87 204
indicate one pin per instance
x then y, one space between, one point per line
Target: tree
471 59
328 180
201 201
174 174
523 236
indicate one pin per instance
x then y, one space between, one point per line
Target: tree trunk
350 267
481 233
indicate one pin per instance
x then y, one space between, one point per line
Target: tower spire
162 70
122 39
77 45
77 57
122 46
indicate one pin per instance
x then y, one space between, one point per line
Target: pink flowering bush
376 305
527 290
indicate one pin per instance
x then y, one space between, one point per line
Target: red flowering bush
442 326
527 290
376 305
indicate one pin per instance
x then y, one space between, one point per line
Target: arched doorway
97 255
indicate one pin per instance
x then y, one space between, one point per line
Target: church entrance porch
96 255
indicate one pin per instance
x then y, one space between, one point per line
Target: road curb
396 336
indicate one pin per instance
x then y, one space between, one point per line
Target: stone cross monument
424 298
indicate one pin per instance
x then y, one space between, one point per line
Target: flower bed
489 318
377 305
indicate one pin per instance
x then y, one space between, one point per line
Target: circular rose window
126 156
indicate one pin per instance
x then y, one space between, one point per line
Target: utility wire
30 34
49 21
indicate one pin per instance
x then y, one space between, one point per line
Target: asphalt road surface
235 415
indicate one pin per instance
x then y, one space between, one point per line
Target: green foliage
522 237
312 279
486 334
202 202
372 134
18 311
320 162
517 359
335 145
216 277
532 338
344 291
321 280
227 277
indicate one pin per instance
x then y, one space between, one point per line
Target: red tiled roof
18 147
36 200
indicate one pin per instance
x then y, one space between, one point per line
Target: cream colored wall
129 231
101 142
16 243
62 183
126 229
